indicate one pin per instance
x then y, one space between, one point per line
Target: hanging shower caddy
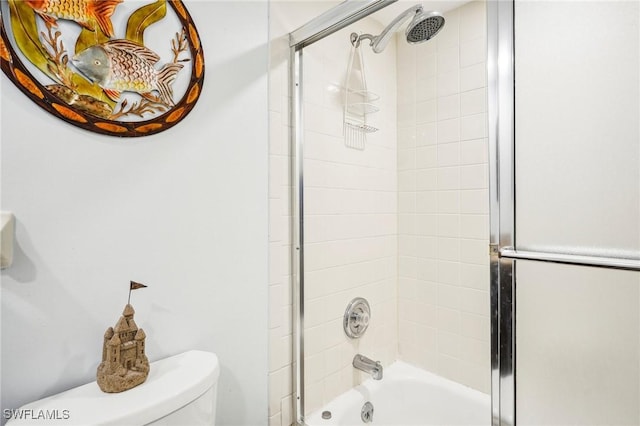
359 102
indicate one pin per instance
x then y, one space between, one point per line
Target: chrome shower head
423 27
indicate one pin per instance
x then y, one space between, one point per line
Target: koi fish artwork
124 66
89 62
85 12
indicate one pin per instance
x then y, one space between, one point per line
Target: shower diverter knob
356 317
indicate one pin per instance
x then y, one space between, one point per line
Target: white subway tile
422 50
426 157
474 251
473 77
473 102
449 249
473 52
474 227
449 320
426 134
448 107
448 59
475 351
474 151
275 306
426 225
426 111
448 225
313 397
427 179
427 293
407 288
474 176
448 83
426 63
474 276
449 296
275 390
406 137
474 376
406 202
448 35
275 420
448 344
427 269
314 311
286 410
475 201
314 342
473 127
426 202
408 267
427 315
448 178
406 159
448 154
427 247
406 180
427 337
406 224
406 114
426 89
276 353
448 202
474 301
475 326
448 272
448 131
472 21
314 368
332 386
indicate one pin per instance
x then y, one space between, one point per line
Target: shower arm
379 43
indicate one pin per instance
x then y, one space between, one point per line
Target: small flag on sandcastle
134 286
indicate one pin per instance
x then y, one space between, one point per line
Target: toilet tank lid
172 383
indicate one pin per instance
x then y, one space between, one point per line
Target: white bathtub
408 396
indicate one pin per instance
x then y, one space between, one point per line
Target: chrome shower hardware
362 363
424 26
356 317
366 414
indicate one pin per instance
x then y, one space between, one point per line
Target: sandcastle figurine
124 362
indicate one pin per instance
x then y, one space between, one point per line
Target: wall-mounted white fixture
7 223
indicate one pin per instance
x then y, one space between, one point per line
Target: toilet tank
180 390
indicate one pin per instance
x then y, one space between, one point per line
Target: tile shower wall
443 201
357 187
350 217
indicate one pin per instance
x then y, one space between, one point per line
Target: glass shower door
577 198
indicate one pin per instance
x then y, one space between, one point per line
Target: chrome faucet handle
361 318
357 317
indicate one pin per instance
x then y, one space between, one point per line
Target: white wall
183 212
443 219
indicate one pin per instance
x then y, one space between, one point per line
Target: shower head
423 27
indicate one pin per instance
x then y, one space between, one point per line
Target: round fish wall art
116 67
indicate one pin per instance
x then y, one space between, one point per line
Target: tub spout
368 366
